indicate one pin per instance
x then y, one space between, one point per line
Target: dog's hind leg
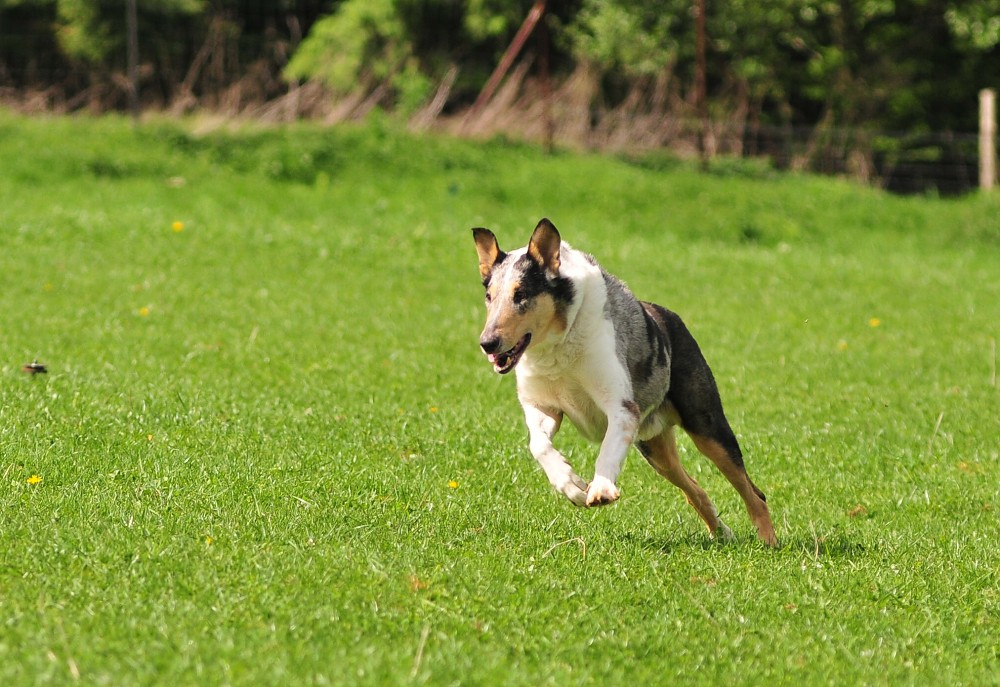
661 453
725 453
695 397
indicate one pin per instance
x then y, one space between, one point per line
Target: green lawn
271 453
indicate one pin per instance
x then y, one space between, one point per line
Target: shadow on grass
835 545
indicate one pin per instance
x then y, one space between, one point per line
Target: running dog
622 370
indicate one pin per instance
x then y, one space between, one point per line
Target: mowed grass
268 450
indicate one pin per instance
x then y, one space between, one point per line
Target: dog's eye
518 297
488 298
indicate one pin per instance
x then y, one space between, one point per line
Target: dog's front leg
623 422
542 426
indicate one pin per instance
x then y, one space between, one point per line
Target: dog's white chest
567 395
586 417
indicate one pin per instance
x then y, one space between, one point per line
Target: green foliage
893 65
83 34
634 37
881 64
361 43
268 450
90 30
486 19
360 47
11 4
976 23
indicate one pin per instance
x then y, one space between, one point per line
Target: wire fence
943 163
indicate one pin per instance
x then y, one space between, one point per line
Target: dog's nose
490 345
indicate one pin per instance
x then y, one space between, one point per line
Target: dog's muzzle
504 362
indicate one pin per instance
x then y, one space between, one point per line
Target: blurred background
884 91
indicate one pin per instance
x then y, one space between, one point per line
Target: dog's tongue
492 357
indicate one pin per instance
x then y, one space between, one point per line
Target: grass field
268 451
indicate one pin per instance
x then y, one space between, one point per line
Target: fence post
987 139
537 10
132 48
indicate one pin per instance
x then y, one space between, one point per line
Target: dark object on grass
35 368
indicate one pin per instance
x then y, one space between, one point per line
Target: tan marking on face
541 318
559 321
544 317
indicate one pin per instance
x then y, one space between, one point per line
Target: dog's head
526 298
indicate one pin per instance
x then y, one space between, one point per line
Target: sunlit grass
267 450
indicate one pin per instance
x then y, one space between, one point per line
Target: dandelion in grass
841 345
434 409
452 484
178 226
34 480
874 322
144 311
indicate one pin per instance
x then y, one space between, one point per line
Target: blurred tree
636 37
193 51
89 30
975 24
363 41
363 49
882 63
92 35
397 49
27 44
887 64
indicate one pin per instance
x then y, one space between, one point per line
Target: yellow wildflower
34 479
177 226
874 322
452 484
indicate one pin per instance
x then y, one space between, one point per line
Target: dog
622 370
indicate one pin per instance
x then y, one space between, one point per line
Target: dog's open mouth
505 362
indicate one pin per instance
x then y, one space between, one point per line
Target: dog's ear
489 252
544 246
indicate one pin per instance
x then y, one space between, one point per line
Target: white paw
575 489
723 533
602 491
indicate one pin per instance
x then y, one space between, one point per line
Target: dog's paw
602 491
723 533
769 537
575 489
